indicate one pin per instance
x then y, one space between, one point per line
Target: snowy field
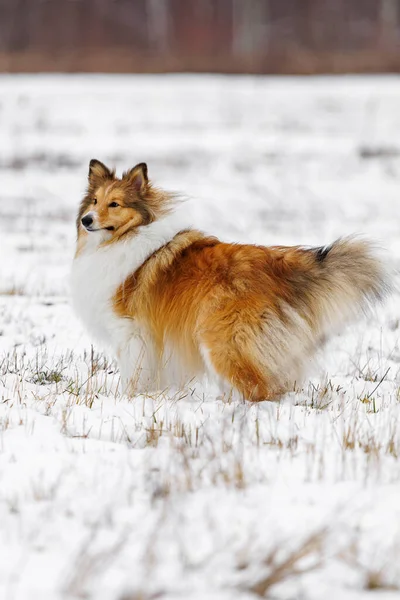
181 495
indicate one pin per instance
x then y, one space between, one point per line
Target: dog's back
254 315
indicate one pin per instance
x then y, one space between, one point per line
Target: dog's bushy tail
349 277
329 286
316 291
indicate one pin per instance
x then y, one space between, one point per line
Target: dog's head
119 205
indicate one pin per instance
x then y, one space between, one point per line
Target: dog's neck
126 255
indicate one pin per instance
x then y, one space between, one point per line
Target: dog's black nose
87 221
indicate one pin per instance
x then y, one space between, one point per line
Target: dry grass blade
375 578
375 581
380 383
142 596
281 570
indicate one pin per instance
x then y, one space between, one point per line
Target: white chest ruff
94 282
97 273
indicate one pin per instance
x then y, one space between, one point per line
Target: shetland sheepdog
173 303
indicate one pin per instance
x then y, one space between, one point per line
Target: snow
183 495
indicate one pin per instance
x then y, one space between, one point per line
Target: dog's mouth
92 229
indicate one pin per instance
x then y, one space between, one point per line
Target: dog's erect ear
137 177
98 171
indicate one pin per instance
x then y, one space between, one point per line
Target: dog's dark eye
95 201
113 204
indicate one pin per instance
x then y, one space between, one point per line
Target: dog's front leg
137 366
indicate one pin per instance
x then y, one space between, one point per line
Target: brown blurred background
230 36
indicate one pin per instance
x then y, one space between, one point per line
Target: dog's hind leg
232 369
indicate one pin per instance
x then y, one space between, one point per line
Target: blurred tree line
251 36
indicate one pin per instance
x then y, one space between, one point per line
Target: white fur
224 387
97 272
